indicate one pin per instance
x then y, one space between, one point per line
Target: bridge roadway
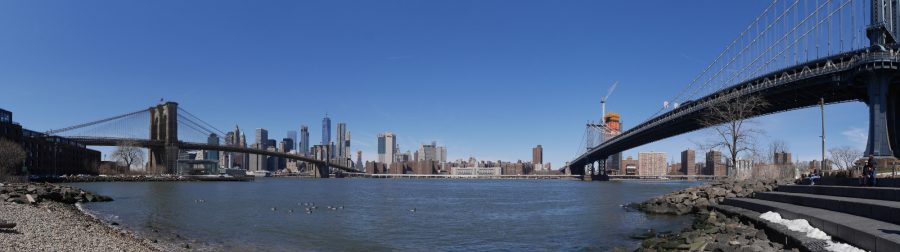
94 141
839 78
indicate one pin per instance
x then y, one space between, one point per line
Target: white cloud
858 136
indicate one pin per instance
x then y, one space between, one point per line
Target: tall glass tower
304 139
326 130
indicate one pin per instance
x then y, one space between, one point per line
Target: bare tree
11 155
128 154
730 121
776 146
844 157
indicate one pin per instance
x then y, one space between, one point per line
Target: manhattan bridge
792 55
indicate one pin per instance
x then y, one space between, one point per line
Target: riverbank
711 230
47 219
54 226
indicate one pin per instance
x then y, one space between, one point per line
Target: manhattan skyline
486 84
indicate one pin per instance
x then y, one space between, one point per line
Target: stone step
862 232
775 232
876 193
883 210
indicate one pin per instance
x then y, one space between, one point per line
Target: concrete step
883 210
862 232
876 193
775 232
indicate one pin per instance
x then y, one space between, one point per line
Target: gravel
54 226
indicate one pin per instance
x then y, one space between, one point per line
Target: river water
450 215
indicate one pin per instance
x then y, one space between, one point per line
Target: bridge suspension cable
208 126
122 126
783 35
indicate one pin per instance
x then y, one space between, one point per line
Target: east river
377 215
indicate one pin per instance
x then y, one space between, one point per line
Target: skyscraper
326 130
262 138
292 134
342 153
442 154
359 163
347 150
427 152
287 145
212 140
387 147
304 139
271 143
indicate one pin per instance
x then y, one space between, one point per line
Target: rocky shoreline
698 198
48 219
140 178
711 230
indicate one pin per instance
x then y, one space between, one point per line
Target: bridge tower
882 98
882 29
164 129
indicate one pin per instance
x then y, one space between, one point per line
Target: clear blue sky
486 78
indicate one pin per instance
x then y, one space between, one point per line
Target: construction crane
603 101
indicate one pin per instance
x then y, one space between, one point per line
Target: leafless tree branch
734 130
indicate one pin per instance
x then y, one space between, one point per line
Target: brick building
48 155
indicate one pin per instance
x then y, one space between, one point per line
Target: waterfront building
272 162
326 130
271 143
475 171
537 157
47 155
714 164
304 140
688 161
256 162
629 167
675 169
212 155
387 147
652 164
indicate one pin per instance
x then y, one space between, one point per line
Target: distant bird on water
412 210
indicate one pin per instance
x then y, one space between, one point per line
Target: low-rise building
48 155
475 171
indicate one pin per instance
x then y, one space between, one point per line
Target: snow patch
801 225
